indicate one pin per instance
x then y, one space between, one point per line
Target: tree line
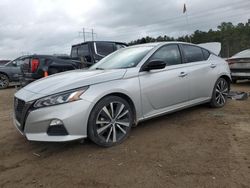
233 38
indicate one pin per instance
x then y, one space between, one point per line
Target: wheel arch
227 78
125 97
5 74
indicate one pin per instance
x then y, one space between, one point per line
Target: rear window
104 49
193 53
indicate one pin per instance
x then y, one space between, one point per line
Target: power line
203 24
179 18
177 23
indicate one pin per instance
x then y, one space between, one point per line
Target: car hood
72 79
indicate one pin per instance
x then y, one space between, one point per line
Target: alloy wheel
221 92
4 81
113 122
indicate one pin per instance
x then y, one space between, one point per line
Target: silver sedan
128 86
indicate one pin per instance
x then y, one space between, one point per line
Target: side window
192 53
206 54
83 50
17 62
74 52
170 54
20 62
104 49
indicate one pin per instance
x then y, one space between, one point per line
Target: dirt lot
197 147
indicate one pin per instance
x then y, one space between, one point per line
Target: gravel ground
197 147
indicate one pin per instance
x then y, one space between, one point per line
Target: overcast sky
52 26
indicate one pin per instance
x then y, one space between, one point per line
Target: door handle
183 74
213 65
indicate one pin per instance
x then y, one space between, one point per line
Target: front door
165 87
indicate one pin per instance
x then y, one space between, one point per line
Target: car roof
154 44
123 43
41 56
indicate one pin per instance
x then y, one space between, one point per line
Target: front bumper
74 116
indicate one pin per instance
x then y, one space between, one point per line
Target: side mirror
14 63
154 64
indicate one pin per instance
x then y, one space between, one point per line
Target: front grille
19 108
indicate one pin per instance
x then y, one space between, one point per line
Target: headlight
60 98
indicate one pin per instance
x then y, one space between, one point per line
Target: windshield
124 58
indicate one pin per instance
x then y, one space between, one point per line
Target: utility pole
92 33
89 31
83 33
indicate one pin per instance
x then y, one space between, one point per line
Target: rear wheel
4 81
220 93
110 121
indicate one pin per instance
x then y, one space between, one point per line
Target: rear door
202 70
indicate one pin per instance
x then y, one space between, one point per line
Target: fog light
56 128
55 122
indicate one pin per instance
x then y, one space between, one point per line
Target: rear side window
170 54
104 49
192 53
74 51
206 54
83 50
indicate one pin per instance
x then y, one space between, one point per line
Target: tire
4 81
110 121
220 93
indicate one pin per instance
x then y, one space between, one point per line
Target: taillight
34 65
230 62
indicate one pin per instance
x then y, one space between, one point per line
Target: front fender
129 87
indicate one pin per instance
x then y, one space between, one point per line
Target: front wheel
220 93
4 81
110 121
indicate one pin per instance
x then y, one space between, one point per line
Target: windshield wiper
99 68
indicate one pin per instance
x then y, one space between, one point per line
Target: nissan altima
128 86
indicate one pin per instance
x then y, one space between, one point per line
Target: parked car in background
10 72
93 51
3 62
37 66
130 85
240 65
